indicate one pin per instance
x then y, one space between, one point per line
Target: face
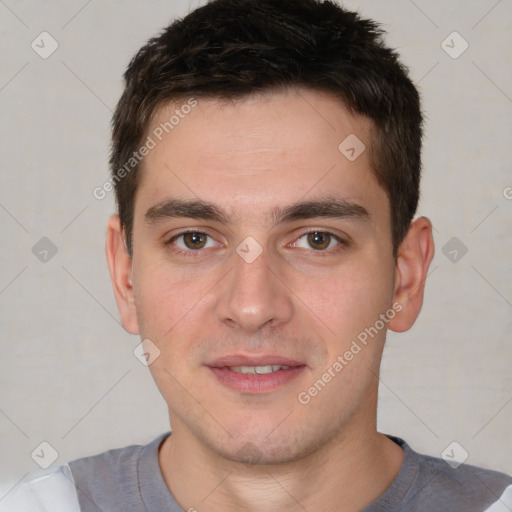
257 242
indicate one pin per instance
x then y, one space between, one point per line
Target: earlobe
413 261
120 266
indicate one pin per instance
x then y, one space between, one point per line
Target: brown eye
323 242
189 242
319 240
194 240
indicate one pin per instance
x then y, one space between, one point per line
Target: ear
413 261
120 267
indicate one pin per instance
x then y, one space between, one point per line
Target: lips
253 360
251 374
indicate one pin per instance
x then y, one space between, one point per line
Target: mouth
258 370
256 375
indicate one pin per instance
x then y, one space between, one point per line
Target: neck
345 475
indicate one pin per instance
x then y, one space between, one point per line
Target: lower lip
250 383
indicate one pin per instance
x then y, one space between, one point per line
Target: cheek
165 298
169 311
347 299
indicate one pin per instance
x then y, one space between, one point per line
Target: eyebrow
198 209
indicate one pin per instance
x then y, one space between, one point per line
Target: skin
260 452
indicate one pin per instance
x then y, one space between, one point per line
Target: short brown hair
233 48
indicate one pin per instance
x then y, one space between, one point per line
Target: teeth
258 370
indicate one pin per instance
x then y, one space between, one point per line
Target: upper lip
253 360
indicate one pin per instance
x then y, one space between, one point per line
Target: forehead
258 152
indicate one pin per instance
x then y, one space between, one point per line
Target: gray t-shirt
129 479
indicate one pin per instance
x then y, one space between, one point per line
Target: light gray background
67 372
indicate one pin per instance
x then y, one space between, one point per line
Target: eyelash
320 252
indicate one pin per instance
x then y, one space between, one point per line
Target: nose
253 295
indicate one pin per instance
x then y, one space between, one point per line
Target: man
266 163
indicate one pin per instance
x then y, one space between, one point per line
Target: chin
255 448
253 454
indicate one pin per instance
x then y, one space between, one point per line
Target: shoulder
109 469
459 487
463 477
110 477
107 462
112 480
43 492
